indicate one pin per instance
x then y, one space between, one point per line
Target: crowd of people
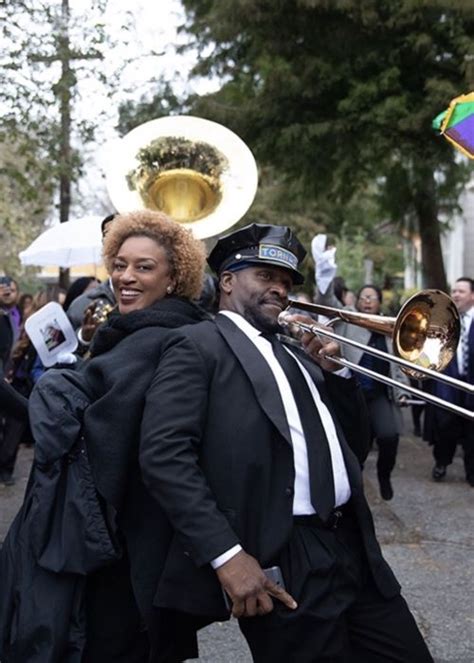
196 463
442 429
20 364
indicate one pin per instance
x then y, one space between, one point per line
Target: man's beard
264 323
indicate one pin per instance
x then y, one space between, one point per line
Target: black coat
125 354
12 403
438 421
6 341
58 535
219 459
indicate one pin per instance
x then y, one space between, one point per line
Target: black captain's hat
259 244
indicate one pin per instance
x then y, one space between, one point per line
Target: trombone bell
426 332
425 335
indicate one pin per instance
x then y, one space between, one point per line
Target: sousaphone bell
198 172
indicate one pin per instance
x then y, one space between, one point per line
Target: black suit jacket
439 423
451 394
216 453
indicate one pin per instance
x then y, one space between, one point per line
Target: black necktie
319 457
464 340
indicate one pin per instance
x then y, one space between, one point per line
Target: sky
152 27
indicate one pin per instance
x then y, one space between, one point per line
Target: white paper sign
51 333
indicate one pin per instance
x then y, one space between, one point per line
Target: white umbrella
75 242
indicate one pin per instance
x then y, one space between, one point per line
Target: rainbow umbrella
457 123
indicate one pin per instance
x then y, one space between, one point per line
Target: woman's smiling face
140 274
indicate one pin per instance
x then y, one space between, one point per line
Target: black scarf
170 312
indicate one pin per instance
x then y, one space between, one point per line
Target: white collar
245 326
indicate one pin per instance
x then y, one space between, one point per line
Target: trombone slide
427 397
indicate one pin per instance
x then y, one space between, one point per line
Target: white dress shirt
302 498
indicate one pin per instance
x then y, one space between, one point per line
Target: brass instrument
101 311
198 172
425 335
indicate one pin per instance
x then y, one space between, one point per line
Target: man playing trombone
253 448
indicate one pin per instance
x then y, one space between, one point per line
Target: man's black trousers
341 616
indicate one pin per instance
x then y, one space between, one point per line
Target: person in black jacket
156 268
257 465
10 325
10 320
90 308
25 369
446 430
80 286
6 341
12 402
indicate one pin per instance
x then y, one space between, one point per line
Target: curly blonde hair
186 255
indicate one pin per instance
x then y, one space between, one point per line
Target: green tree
25 197
340 95
282 199
162 103
47 50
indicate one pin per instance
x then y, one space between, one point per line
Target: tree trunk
433 272
65 144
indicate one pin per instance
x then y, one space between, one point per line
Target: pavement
427 536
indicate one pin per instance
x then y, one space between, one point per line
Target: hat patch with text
278 254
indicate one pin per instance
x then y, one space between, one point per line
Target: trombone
425 335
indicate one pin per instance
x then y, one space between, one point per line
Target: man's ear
226 282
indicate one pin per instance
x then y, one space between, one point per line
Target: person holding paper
385 417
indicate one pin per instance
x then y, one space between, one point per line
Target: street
426 533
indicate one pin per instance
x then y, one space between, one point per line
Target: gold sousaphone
198 172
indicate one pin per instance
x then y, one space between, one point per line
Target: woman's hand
89 324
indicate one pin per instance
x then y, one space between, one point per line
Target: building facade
457 245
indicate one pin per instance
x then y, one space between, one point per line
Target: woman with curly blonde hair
184 254
156 268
